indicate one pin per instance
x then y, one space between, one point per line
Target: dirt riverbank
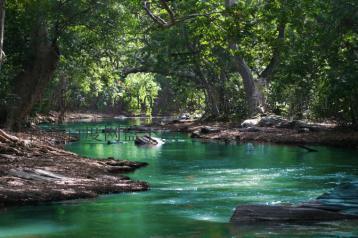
34 168
315 134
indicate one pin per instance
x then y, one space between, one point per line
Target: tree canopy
226 60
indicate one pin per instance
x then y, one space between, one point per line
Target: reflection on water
194 188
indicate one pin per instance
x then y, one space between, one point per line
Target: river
195 187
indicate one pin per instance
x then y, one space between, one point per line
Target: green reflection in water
194 188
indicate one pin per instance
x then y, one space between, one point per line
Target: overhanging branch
275 60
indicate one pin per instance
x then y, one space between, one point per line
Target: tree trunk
213 106
62 100
254 96
2 30
30 84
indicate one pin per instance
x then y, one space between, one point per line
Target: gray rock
265 213
271 120
250 122
340 203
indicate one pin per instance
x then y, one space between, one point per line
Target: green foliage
187 67
139 92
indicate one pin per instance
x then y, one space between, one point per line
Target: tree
46 25
2 30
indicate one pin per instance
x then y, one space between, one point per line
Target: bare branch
155 18
169 10
173 19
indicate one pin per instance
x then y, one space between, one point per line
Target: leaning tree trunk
30 84
254 97
2 30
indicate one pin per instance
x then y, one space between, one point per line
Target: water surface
194 188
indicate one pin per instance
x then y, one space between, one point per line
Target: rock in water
264 213
340 203
344 197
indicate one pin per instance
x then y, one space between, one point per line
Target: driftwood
36 174
5 136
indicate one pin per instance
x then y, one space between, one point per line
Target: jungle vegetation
224 59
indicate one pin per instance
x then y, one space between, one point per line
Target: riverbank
306 134
34 168
54 117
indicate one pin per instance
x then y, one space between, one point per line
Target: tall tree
48 24
254 87
2 30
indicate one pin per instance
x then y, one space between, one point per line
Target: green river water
195 187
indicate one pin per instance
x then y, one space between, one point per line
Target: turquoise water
195 187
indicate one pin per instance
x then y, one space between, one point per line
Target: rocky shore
268 129
35 169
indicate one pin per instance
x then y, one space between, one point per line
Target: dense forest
223 60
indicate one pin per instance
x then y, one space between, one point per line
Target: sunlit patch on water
202 216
